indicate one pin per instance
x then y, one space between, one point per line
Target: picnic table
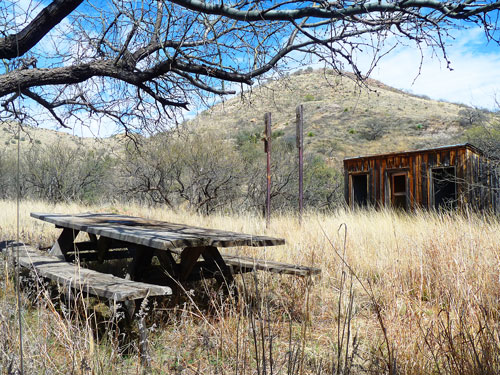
184 253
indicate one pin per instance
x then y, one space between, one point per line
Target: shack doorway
444 184
360 190
398 191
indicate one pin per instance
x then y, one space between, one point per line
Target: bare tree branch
16 45
141 64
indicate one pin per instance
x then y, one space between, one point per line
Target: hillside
342 119
38 136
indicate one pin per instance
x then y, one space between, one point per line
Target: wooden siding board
431 159
453 157
475 181
425 182
461 177
346 185
413 185
416 166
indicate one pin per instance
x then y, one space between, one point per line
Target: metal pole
18 239
300 146
267 149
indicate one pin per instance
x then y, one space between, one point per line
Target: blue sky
474 79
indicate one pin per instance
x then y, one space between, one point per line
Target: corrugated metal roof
440 148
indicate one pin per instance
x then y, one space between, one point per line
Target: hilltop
31 136
342 118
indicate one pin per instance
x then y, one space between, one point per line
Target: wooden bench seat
86 280
248 264
237 263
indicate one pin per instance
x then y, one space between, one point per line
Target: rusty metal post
267 149
300 145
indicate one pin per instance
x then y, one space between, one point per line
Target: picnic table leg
141 259
142 256
64 243
189 258
214 259
225 276
103 244
168 264
215 263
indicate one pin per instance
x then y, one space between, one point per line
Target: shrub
373 130
471 117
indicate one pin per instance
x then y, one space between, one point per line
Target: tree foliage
200 170
487 138
138 64
58 173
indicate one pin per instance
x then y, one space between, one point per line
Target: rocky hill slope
342 118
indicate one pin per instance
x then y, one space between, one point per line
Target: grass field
399 293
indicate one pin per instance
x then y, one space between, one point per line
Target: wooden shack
444 177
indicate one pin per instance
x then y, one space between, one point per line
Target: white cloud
473 80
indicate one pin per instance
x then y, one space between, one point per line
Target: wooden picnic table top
154 233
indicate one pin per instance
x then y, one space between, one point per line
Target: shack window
444 184
398 190
360 190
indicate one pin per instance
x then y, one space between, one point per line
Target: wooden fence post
267 149
300 146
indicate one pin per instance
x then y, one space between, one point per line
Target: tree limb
460 11
16 45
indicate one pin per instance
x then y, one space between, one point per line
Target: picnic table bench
184 253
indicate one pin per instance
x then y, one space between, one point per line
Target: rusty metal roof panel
440 148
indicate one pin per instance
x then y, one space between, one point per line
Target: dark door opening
398 190
444 183
360 190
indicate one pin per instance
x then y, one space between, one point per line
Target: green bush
277 134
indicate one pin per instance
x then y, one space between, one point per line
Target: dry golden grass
430 281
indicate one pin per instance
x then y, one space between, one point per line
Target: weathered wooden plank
347 188
189 257
86 280
153 233
64 243
249 263
269 266
93 256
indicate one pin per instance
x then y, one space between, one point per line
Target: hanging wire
18 245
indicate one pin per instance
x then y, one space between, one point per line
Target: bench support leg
129 308
145 358
103 245
142 257
168 263
64 243
189 257
214 259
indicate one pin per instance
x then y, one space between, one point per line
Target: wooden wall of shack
477 182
